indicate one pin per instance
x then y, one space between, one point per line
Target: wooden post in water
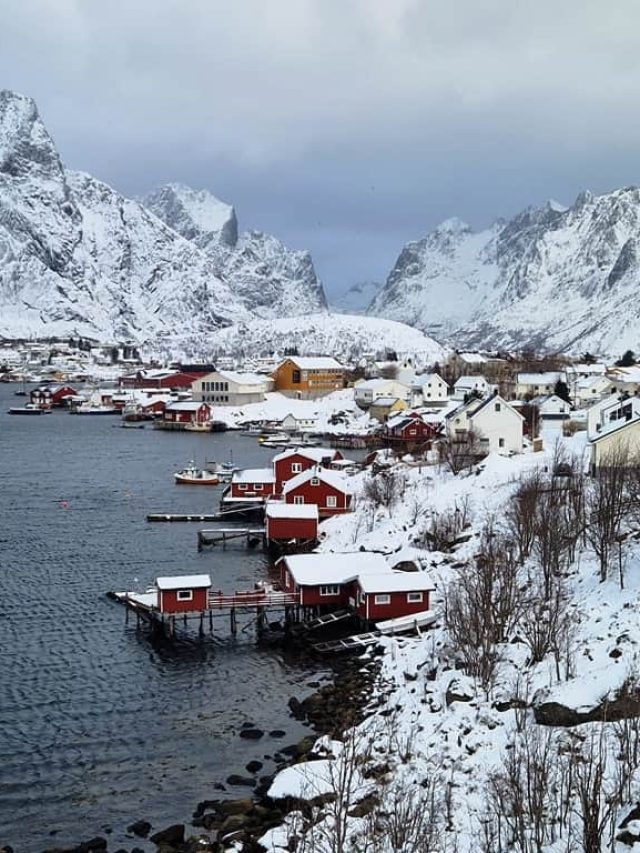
233 621
201 631
211 621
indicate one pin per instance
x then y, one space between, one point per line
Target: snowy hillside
271 280
357 298
553 277
341 335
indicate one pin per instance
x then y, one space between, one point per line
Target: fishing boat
96 410
192 476
29 409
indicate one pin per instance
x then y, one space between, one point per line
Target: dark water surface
97 726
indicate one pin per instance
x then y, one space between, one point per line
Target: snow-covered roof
386 401
323 362
625 374
184 406
253 475
183 582
279 509
239 378
587 382
374 384
396 582
331 478
315 454
548 378
472 357
469 382
330 568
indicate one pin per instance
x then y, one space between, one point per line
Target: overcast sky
344 126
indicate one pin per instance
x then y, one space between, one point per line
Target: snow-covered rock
357 298
551 277
271 280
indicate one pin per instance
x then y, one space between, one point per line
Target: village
390 489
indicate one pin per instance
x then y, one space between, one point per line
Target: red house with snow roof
328 490
410 428
251 484
290 523
186 412
289 463
390 595
183 594
52 396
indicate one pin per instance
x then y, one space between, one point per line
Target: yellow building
309 376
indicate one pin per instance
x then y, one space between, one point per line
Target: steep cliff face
552 277
271 280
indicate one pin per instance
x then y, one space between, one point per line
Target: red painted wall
168 601
399 606
282 468
266 490
318 495
292 528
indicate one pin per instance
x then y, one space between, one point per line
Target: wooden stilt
211 621
234 626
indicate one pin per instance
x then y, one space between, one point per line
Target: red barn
389 595
291 462
290 522
409 428
252 484
327 580
163 378
186 594
328 490
187 412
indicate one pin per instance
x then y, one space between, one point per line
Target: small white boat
192 476
96 410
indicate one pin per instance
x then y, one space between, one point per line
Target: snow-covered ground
431 727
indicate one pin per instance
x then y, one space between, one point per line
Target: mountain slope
357 298
77 257
271 280
552 277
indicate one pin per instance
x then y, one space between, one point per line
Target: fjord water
98 727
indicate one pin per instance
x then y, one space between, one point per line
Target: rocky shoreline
223 821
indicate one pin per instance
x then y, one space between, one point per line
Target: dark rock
170 836
305 745
251 734
628 838
623 707
634 814
206 805
295 706
234 822
141 828
236 779
254 766
615 653
232 807
456 692
248 726
97 843
290 750
277 733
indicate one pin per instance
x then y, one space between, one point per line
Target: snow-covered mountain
357 298
552 277
76 257
341 335
271 280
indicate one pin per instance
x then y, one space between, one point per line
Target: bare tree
547 621
442 531
607 505
521 514
385 488
461 451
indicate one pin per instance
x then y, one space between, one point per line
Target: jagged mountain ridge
357 298
271 280
76 257
553 278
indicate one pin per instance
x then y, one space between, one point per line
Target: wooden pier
221 535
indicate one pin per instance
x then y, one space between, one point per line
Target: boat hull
26 412
184 480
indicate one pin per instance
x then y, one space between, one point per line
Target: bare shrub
385 488
442 531
461 451
409 819
547 621
607 505
483 605
521 514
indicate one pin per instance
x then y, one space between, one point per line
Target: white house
625 380
231 388
429 389
367 392
296 423
609 412
467 385
497 424
537 384
618 430
552 407
587 389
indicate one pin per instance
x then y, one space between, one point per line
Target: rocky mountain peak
195 214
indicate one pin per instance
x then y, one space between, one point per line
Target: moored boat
29 409
192 476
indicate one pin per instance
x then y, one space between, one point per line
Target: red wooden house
164 378
290 522
251 484
327 580
291 462
186 594
52 396
328 490
392 594
187 412
410 428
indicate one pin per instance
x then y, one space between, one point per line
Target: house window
383 598
361 597
332 501
257 487
330 590
295 377
414 597
185 595
298 499
296 467
315 481
501 442
242 487
497 407
412 432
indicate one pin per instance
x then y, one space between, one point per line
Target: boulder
459 691
171 836
234 823
236 779
141 828
254 766
233 807
251 734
